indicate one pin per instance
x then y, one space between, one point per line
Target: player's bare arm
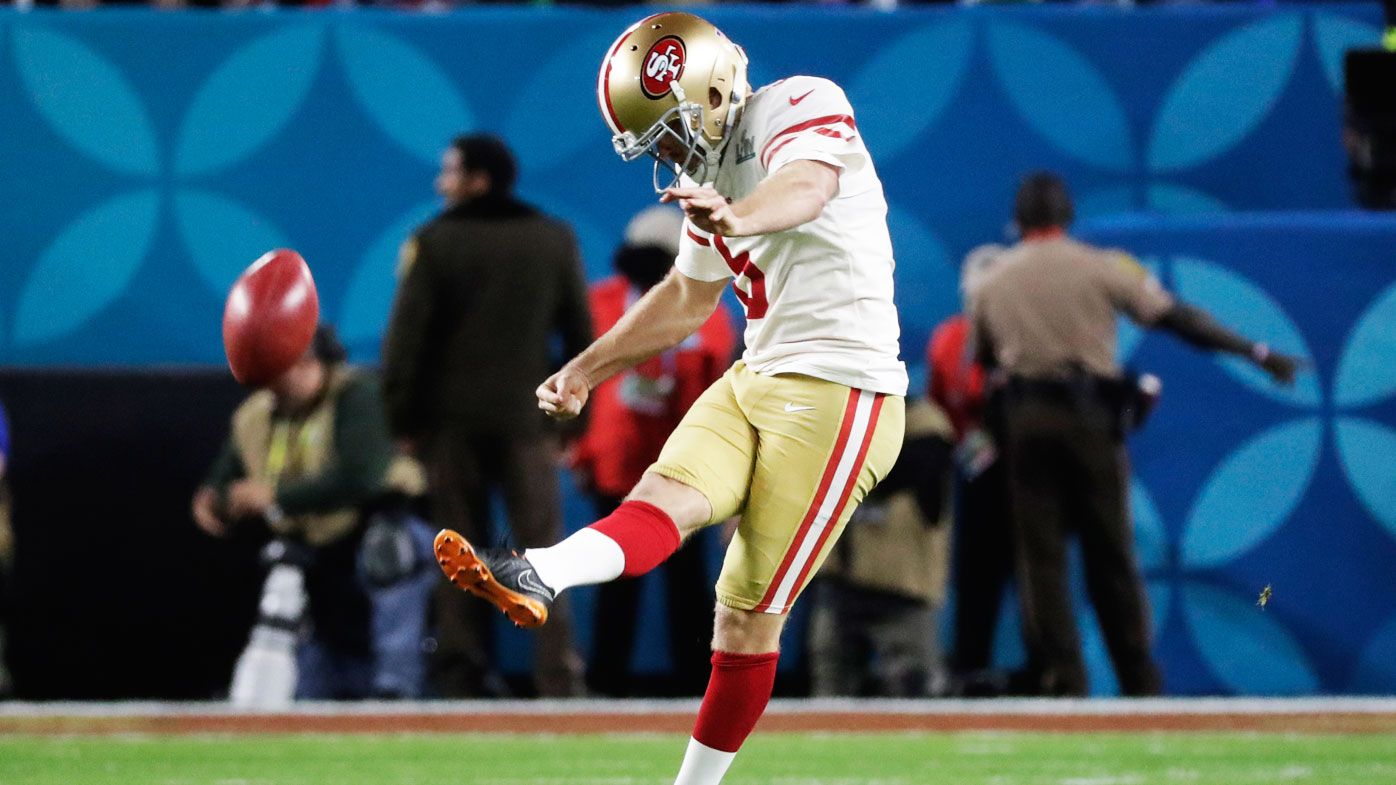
667 314
794 195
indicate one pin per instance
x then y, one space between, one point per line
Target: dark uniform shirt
485 288
1049 309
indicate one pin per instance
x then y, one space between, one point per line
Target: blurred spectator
7 545
1047 319
983 539
631 416
310 458
485 287
878 596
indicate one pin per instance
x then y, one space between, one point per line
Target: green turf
846 759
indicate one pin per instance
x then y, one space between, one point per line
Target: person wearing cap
1047 322
632 414
309 459
485 288
874 630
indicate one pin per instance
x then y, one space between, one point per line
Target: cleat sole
464 569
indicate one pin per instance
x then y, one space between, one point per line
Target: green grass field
775 759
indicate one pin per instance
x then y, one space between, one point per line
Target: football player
782 203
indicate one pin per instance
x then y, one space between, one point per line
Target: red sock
646 535
738 691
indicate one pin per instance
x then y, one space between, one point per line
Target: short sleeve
812 121
697 258
1134 290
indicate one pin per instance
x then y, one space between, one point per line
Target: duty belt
1083 389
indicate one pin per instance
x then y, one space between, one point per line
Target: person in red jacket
631 415
983 544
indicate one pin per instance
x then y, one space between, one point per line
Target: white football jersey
818 297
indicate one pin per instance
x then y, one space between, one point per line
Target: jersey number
754 298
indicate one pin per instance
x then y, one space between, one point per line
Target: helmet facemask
678 124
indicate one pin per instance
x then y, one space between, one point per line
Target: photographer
878 597
310 459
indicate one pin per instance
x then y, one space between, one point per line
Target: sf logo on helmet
663 64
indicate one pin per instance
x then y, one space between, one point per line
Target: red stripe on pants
828 479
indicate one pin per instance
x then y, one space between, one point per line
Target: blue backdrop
149 157
1240 484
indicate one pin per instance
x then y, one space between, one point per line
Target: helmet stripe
603 82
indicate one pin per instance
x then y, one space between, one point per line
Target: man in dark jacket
485 287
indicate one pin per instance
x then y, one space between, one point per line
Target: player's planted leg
745 653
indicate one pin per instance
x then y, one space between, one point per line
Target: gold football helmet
673 75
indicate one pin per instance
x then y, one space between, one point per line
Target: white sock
703 765
584 558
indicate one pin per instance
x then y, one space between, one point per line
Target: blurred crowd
1015 451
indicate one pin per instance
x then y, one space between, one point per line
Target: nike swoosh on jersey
791 408
794 101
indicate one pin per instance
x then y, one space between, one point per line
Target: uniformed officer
1047 321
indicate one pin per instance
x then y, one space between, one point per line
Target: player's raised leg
703 480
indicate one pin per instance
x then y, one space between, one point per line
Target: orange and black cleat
497 575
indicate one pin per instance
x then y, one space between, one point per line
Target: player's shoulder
798 94
799 84
794 103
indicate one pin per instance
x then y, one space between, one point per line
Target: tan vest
889 546
282 449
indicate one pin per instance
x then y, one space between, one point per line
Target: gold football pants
794 455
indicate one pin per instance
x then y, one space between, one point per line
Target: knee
685 505
746 632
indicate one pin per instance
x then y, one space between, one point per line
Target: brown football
270 317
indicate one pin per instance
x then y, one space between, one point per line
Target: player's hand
707 209
249 498
564 394
1281 367
205 514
